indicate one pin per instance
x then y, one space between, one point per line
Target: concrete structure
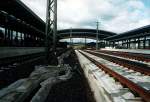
136 39
19 26
84 33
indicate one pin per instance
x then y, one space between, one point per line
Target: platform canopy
84 33
136 33
22 12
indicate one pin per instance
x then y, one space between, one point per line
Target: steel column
51 26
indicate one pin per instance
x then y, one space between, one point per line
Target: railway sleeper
128 55
132 65
133 86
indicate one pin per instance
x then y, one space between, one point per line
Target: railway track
134 65
21 65
134 56
16 67
20 56
19 59
131 79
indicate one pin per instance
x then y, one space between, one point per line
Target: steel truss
51 26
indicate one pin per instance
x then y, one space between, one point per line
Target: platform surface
143 51
18 51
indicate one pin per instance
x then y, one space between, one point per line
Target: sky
114 15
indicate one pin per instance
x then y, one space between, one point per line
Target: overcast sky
115 15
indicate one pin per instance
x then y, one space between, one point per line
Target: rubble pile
40 80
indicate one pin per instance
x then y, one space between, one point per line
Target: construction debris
41 79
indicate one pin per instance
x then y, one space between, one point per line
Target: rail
145 94
140 67
136 56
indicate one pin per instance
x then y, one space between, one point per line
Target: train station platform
142 51
19 51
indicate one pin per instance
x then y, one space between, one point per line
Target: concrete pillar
25 36
11 37
134 43
149 43
118 43
109 44
85 42
122 43
139 43
5 36
34 40
129 41
21 39
6 31
16 39
127 44
113 44
17 34
21 33
144 42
